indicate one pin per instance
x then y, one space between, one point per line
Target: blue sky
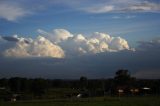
141 22
73 38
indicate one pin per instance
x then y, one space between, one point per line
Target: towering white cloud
61 43
40 47
57 35
80 44
118 44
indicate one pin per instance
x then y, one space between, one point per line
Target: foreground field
99 101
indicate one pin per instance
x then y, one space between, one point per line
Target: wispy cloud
124 17
124 6
116 17
101 9
130 16
12 12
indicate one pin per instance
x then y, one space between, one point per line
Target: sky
73 38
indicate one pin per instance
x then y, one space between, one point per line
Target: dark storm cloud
8 38
14 39
142 63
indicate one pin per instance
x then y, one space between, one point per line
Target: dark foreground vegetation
96 101
82 91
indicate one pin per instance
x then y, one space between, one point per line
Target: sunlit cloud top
61 43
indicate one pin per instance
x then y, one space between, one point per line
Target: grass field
99 101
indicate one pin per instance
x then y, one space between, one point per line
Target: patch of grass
98 101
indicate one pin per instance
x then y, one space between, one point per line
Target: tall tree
122 77
83 82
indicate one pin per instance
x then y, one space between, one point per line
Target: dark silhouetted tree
83 82
122 77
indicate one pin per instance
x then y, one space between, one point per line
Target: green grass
99 101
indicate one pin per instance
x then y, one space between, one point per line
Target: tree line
38 87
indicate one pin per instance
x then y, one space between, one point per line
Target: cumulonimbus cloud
80 44
57 35
143 63
60 43
39 47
